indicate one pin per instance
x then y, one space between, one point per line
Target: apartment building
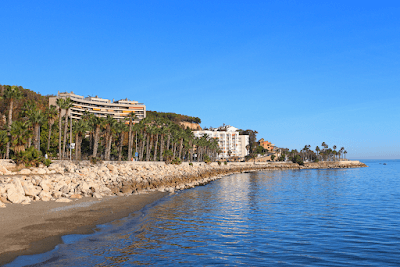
230 141
101 107
266 145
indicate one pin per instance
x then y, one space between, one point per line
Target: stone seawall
64 181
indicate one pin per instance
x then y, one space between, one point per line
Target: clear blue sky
298 72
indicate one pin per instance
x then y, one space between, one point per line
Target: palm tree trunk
148 148
130 141
155 148
121 141
9 128
180 148
65 134
36 136
108 153
96 140
59 136
76 146
108 136
168 141
49 138
161 147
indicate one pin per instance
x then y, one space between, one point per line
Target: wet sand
38 227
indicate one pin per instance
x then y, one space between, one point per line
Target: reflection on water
307 218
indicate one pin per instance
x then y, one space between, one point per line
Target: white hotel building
229 140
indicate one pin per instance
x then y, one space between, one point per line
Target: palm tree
52 114
36 118
132 117
121 129
60 103
97 124
80 128
67 105
109 125
11 93
20 135
3 142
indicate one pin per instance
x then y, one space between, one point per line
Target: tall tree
132 117
11 93
60 103
67 106
51 113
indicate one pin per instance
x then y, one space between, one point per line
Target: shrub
190 164
168 156
176 161
219 162
225 162
31 157
297 159
95 160
47 162
207 159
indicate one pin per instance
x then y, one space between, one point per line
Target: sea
332 217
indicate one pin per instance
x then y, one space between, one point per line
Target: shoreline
39 226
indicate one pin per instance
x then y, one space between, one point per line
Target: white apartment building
230 141
101 107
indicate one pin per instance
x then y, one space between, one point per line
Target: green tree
11 93
51 114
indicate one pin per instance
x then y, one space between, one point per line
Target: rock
111 167
30 190
45 196
57 194
97 195
14 197
26 202
2 205
63 200
4 200
76 196
126 189
24 171
45 185
40 171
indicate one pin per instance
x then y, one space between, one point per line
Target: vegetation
27 121
307 154
30 158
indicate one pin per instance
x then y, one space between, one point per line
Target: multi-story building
266 145
230 141
101 107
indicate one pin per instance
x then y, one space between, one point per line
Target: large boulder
30 190
25 171
45 196
15 192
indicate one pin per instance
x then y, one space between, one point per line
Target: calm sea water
339 217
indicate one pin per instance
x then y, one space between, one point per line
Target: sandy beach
38 227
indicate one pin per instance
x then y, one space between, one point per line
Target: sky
298 72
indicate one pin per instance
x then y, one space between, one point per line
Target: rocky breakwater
334 164
64 181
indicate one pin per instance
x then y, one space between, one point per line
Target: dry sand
38 227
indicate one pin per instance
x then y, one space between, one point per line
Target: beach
38 227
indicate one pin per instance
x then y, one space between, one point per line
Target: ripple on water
343 217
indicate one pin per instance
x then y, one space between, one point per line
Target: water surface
336 217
